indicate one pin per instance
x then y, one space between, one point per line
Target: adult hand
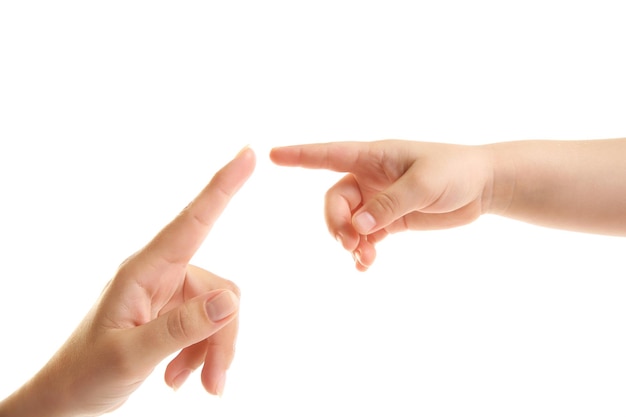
393 186
156 304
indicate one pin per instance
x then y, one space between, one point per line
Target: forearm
574 185
30 400
45 394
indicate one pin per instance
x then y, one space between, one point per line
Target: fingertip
243 151
356 257
273 153
360 267
364 255
348 241
231 177
222 306
214 380
246 152
361 263
247 155
278 155
339 238
179 379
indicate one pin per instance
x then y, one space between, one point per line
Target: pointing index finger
336 156
181 238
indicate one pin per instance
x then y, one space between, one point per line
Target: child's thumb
385 207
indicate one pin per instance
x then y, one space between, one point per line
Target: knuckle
200 220
329 196
386 203
179 323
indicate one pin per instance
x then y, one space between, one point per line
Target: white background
114 114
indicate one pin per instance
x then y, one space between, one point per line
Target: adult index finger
180 239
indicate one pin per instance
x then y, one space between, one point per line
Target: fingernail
245 148
219 387
222 305
364 222
339 238
357 256
180 379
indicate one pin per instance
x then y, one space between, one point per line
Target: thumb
386 207
185 325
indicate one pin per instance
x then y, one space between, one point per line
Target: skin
156 304
393 185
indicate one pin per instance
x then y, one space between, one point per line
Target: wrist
501 179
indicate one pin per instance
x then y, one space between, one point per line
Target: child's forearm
575 185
